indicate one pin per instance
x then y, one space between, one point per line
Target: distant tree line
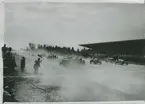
86 52
64 50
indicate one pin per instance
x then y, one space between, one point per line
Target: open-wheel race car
121 62
111 60
53 56
72 61
64 62
95 61
79 61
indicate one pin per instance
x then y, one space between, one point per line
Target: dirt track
106 82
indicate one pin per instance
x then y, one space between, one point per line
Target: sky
70 24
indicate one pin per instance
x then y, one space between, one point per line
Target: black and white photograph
73 52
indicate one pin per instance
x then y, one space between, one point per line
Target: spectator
13 63
23 64
4 49
7 60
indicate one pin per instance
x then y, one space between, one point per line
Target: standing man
4 49
13 63
7 60
37 65
23 64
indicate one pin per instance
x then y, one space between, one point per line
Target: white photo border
95 1
2 17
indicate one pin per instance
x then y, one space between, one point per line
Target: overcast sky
71 24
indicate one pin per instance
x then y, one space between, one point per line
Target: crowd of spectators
9 65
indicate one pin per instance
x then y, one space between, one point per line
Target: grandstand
130 50
129 47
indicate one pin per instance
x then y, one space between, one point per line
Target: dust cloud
106 82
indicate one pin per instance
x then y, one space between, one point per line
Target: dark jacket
23 63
